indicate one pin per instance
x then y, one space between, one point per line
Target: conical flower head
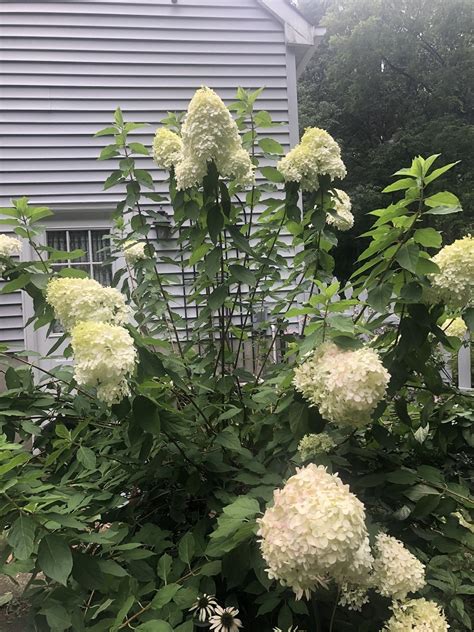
75 300
166 148
9 247
317 154
396 571
345 385
454 283
314 532
210 133
342 217
104 357
417 615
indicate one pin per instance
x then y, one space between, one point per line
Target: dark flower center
227 619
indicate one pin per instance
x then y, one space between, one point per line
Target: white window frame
32 337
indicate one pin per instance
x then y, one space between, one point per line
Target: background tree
393 78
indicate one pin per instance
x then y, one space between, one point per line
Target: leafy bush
145 488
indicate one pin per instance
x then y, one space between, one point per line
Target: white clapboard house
65 66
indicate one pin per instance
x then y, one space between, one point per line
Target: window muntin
96 248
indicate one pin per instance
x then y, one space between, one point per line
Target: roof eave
300 35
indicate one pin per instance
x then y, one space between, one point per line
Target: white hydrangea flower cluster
345 385
104 352
417 615
76 300
166 148
314 532
210 133
104 356
396 571
343 218
454 284
455 327
312 445
317 154
134 251
352 596
9 247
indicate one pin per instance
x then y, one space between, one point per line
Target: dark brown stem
333 615
157 275
268 352
254 292
46 372
193 403
33 245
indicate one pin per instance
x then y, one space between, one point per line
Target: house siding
65 66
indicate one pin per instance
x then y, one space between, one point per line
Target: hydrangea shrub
175 486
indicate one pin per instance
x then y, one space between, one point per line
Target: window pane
102 274
57 329
57 239
79 239
100 246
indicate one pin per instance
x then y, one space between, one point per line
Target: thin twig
254 292
331 624
46 372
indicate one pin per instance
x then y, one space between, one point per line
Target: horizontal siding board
9 310
179 62
72 183
79 21
132 33
181 10
32 177
52 138
26 158
126 81
80 92
12 300
63 129
125 69
202 4
67 65
73 113
137 46
59 158
11 317
13 337
8 322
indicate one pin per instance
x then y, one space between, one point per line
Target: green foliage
124 515
389 80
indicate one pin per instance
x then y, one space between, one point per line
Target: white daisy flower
224 620
204 607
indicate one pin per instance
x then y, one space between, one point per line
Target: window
96 248
96 251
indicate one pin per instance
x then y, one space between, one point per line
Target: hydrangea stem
254 292
314 615
333 615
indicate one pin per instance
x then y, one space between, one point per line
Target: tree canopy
393 78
